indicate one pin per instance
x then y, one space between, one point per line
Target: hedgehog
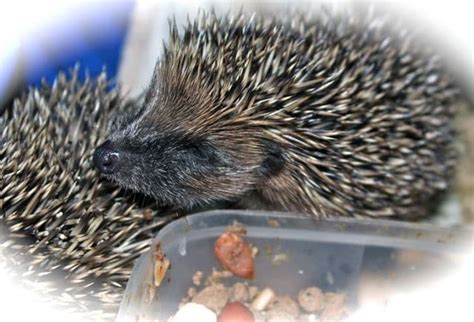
64 232
328 114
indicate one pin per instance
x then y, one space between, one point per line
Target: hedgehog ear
274 160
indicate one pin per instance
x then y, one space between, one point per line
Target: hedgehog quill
330 115
65 233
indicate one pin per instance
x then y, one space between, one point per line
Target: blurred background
39 38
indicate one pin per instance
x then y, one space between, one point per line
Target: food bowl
336 255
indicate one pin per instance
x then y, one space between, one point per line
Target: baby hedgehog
330 115
63 233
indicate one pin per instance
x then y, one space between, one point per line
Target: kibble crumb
237 228
253 291
285 305
263 299
279 259
279 316
311 299
214 297
239 293
197 278
217 276
192 292
334 308
258 316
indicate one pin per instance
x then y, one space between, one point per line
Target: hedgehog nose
106 158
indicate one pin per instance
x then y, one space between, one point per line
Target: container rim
454 237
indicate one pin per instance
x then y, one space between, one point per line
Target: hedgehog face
147 155
167 166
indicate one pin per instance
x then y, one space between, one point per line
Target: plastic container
332 254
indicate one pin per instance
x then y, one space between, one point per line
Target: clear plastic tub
333 254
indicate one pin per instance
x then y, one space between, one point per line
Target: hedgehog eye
203 153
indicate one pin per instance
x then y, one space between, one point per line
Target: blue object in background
88 33
94 41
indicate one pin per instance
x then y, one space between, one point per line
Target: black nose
106 158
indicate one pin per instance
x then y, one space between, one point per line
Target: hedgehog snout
106 158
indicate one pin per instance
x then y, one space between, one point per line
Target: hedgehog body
64 232
331 115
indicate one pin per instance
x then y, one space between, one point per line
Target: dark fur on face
324 115
168 150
